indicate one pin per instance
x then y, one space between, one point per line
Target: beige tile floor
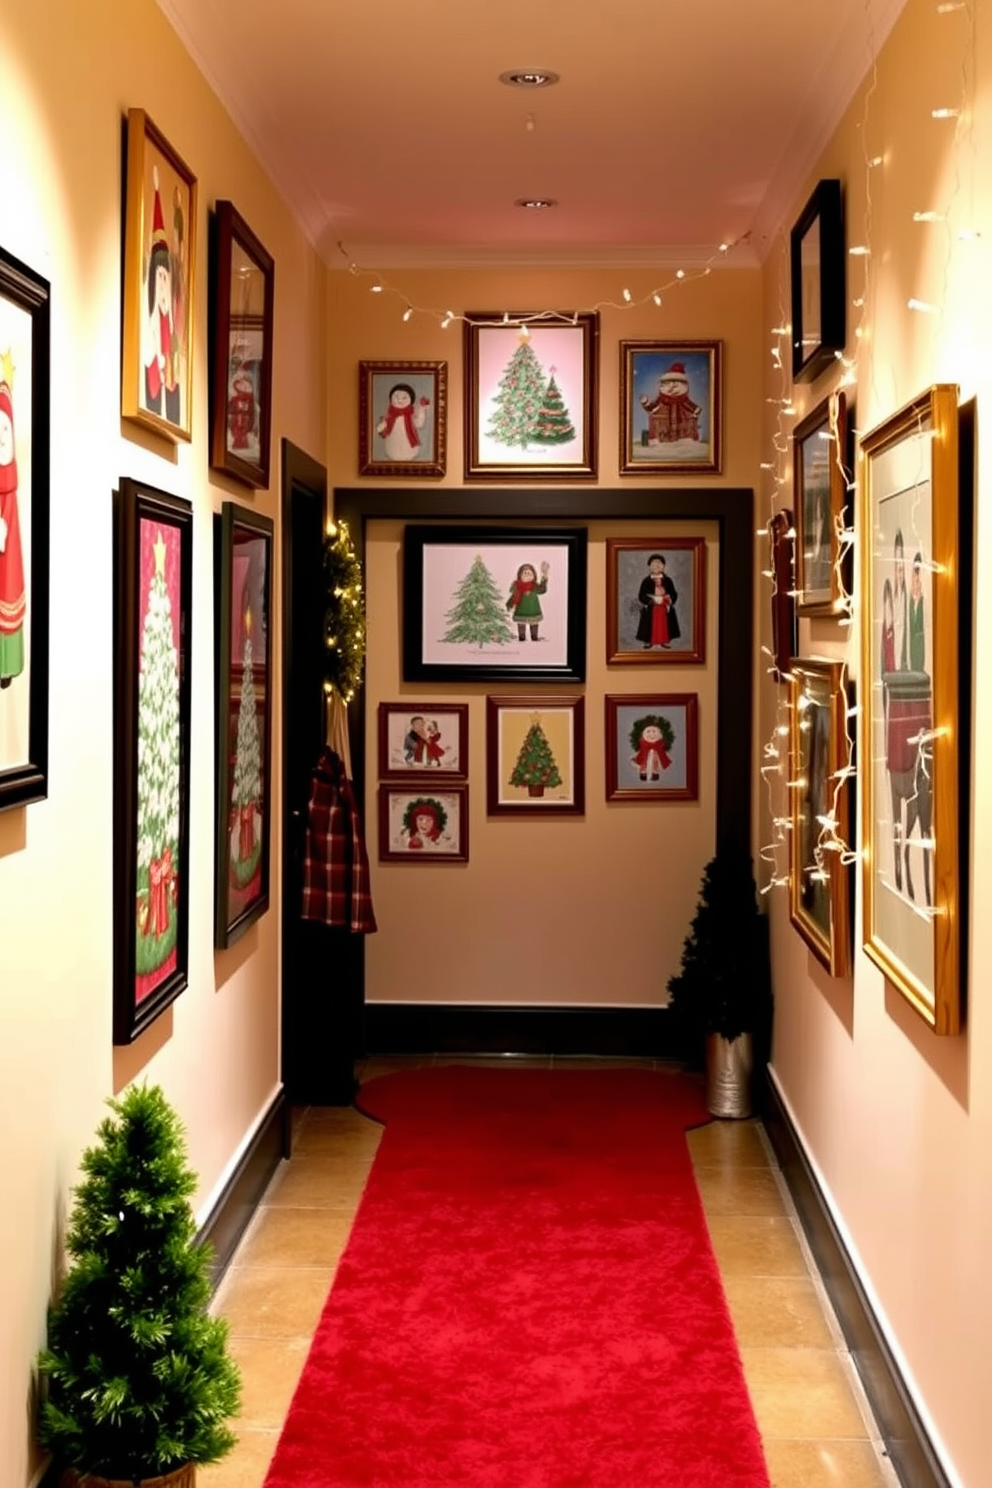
815 1424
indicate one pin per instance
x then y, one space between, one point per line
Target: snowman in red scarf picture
13 597
400 426
672 414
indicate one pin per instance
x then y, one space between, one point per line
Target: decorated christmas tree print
478 616
554 423
536 769
246 791
158 775
519 399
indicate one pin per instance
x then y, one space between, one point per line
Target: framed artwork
243 294
402 418
429 739
819 880
670 407
817 264
530 396
535 755
152 648
494 604
785 624
159 273
655 600
243 630
821 477
652 747
421 824
25 439
913 587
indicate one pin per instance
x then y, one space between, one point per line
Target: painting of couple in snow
402 418
530 396
669 407
423 738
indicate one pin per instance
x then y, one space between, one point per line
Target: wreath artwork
424 817
344 614
651 739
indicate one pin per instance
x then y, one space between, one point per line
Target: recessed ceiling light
534 77
535 203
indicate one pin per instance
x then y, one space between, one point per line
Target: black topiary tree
724 985
138 1379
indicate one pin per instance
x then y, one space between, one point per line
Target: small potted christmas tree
720 1001
138 1385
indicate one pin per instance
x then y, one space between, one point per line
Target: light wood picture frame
916 599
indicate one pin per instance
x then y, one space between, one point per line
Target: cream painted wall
68 73
898 1123
565 910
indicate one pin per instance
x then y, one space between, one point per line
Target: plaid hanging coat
336 887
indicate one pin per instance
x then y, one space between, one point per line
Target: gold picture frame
819 878
911 745
160 233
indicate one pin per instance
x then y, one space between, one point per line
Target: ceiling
675 127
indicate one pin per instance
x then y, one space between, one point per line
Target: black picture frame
243 632
242 284
819 303
442 564
25 402
153 541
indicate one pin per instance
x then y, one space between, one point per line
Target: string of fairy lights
781 773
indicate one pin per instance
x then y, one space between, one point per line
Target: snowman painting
672 414
399 427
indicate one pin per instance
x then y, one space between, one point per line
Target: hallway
815 1425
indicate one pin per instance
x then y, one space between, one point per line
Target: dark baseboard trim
902 1431
229 1217
432 1028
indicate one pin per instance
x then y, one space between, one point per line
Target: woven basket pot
180 1477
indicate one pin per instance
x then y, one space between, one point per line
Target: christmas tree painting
246 790
554 424
478 616
158 764
536 769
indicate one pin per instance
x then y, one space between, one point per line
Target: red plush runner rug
528 1298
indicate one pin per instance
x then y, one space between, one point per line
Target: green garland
667 732
344 614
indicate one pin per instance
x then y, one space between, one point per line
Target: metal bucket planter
729 1064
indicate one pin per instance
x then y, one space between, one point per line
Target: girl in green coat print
524 602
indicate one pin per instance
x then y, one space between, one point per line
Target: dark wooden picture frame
423 823
423 739
914 514
531 396
820 901
785 621
639 611
471 614
818 280
160 242
535 755
242 284
671 407
402 418
25 515
821 479
648 735
153 587
243 634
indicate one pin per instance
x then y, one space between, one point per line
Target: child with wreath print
423 821
651 738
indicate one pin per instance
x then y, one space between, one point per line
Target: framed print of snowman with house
670 407
402 418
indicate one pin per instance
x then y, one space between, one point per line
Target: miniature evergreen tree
519 397
247 785
724 983
554 424
536 767
478 615
158 777
138 1379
